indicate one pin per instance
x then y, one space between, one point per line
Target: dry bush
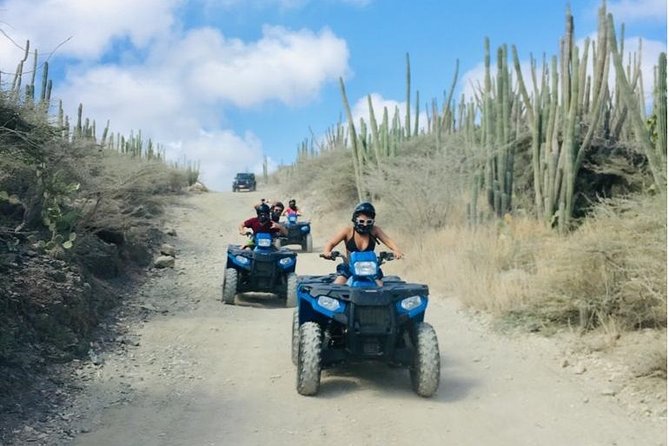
422 191
613 268
486 267
120 191
423 186
611 272
326 182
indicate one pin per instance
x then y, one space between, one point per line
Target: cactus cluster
544 127
29 96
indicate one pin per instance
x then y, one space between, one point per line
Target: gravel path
197 372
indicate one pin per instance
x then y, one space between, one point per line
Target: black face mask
275 216
263 218
362 229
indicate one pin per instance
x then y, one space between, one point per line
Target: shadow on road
267 301
391 381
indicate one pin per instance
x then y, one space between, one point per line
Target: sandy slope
209 374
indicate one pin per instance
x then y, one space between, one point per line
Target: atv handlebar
384 256
333 255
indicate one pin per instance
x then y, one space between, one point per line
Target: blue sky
229 81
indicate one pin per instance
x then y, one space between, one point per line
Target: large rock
168 250
164 262
198 188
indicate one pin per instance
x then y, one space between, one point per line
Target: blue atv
361 320
262 268
299 233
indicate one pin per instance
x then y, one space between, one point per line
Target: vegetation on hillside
541 200
77 211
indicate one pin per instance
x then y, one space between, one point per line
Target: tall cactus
407 117
357 168
660 104
656 159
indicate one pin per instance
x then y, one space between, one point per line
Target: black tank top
352 247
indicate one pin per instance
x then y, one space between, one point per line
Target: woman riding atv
292 208
362 236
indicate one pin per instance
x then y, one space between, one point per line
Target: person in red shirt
262 223
292 209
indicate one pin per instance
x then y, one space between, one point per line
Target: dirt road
204 373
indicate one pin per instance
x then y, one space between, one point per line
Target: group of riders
267 218
363 235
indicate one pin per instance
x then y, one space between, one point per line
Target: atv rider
277 210
292 208
362 236
261 223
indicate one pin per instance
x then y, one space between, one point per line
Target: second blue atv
261 268
361 320
299 233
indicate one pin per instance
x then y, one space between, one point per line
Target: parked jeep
244 181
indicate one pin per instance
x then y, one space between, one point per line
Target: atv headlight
264 242
410 303
286 261
328 303
242 260
304 229
364 268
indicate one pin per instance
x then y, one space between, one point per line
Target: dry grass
610 273
326 182
613 268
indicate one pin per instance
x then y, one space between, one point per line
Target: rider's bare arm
282 229
390 243
337 239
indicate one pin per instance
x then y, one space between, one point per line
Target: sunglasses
365 222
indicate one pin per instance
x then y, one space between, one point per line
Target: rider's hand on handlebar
398 255
327 255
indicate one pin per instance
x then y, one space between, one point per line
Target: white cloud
281 4
283 65
472 81
91 24
221 154
361 110
638 10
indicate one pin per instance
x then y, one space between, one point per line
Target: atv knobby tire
307 244
309 359
425 371
230 286
295 350
291 290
